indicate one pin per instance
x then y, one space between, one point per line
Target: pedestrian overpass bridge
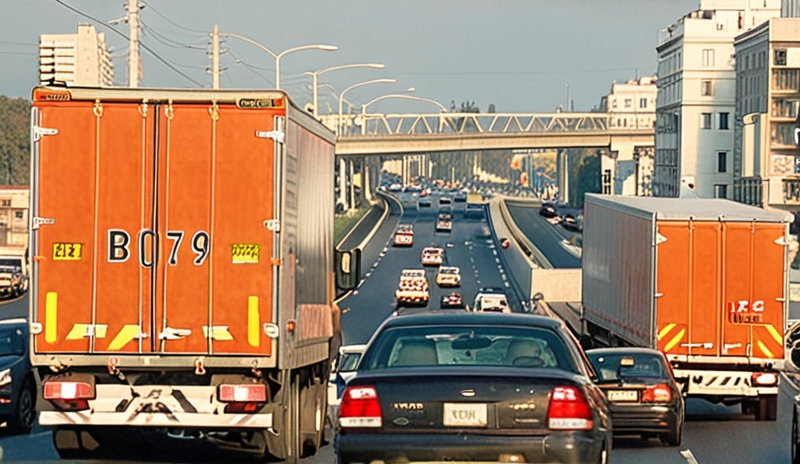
402 134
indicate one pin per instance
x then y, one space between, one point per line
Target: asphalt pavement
546 236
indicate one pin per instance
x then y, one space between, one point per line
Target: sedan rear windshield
458 346
612 367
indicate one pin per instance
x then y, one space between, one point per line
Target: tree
14 141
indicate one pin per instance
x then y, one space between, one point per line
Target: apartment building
80 59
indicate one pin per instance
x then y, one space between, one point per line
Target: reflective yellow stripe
675 340
218 332
128 333
253 321
50 317
665 330
764 349
775 334
78 331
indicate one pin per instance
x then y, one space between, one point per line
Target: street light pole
341 97
314 75
365 105
278 56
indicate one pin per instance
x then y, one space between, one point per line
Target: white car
432 256
491 300
448 276
344 368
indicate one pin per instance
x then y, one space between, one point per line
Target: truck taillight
660 393
68 391
569 410
249 393
764 378
360 408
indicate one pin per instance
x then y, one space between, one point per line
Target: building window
19 214
642 103
780 57
705 121
722 161
628 102
723 121
5 202
720 191
708 58
706 88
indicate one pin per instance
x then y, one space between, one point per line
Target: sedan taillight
660 393
569 410
360 408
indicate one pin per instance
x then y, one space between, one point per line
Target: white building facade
767 165
80 59
696 102
630 105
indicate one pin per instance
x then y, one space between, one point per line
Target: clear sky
516 54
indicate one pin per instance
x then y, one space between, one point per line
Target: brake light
568 410
68 391
360 408
248 393
765 378
660 393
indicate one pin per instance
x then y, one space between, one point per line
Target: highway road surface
713 434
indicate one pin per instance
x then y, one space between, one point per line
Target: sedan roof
438 318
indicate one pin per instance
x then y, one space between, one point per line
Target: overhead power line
193 31
149 50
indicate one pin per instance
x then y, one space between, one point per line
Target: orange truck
182 267
703 280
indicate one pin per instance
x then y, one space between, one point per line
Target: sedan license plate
622 395
465 414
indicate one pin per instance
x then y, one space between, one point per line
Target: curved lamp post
314 75
341 97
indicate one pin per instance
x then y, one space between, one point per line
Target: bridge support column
562 174
342 183
623 166
366 187
352 186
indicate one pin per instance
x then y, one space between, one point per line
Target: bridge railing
479 123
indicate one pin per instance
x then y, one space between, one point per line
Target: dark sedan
643 396
548 210
17 383
453 386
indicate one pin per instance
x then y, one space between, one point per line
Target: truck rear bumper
178 406
177 420
722 383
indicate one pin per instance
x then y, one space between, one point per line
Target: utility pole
133 53
215 58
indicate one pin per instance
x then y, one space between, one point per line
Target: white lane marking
504 277
367 275
385 249
687 454
383 253
507 284
497 260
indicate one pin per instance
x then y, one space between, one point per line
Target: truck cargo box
692 277
179 222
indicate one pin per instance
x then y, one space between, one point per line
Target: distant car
432 256
444 225
445 201
548 211
452 386
12 280
474 210
448 276
491 299
569 222
423 193
424 203
452 300
404 235
395 188
17 382
644 397
460 197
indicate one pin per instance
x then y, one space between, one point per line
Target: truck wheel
767 408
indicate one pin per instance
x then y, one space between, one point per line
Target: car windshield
610 366
348 362
474 346
11 342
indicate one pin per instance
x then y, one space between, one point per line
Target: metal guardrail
525 244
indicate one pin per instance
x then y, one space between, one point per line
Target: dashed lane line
689 456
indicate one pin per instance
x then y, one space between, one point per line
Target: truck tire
767 408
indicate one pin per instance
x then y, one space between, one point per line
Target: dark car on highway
642 393
17 383
548 210
458 386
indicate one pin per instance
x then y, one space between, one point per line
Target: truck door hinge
706 345
273 225
275 135
40 221
39 131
